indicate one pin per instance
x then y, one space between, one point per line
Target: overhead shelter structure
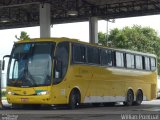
27 13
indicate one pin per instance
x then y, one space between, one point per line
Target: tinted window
130 61
93 55
153 64
147 63
106 57
139 64
79 53
119 59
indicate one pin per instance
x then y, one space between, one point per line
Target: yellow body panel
92 81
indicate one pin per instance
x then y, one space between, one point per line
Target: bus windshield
30 65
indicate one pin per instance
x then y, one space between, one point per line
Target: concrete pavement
149 110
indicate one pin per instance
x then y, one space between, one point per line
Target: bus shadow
62 107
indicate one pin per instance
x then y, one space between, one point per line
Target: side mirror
58 68
3 62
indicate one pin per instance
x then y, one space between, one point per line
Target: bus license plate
24 99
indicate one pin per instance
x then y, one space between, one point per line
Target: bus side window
130 63
106 57
139 64
153 63
78 53
147 63
119 59
93 55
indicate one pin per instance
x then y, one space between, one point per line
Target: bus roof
47 40
81 42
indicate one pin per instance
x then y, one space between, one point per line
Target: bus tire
130 98
139 97
74 99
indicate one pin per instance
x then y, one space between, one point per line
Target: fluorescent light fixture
111 20
72 13
4 20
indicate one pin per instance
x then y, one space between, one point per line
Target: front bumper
16 99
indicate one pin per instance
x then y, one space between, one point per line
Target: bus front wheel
74 99
130 98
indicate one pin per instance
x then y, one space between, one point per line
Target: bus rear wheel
74 99
130 98
139 97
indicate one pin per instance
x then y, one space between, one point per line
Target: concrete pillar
45 20
93 30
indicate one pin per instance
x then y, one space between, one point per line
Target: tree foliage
23 36
3 94
137 38
102 38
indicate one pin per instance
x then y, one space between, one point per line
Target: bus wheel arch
139 97
74 98
129 98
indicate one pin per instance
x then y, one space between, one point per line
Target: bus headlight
10 93
43 93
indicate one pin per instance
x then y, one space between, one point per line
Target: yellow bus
57 71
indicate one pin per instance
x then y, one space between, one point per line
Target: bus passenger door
61 61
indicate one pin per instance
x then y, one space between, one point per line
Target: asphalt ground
149 110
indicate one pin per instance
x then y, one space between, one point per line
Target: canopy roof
25 13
